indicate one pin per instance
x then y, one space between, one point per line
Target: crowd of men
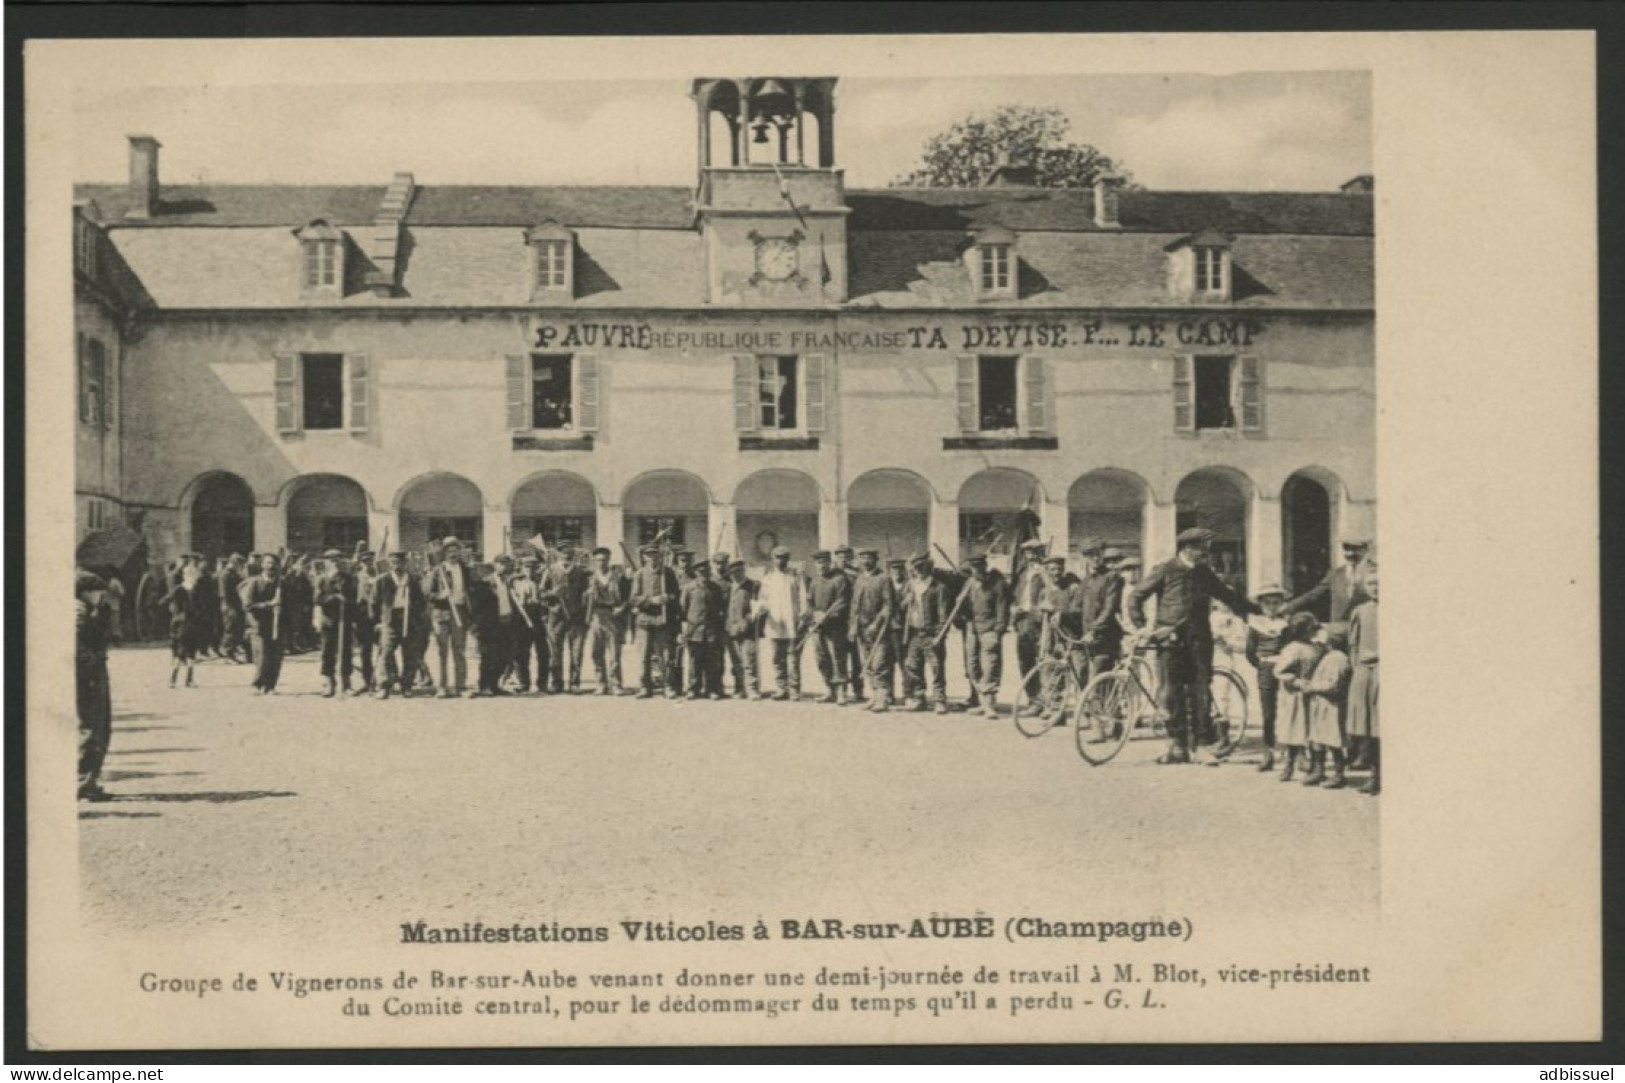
401 625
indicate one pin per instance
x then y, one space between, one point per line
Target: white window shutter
360 392
586 412
816 368
1250 393
1184 402
747 387
289 417
519 387
969 406
1037 402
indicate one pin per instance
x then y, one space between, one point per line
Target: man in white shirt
784 610
449 611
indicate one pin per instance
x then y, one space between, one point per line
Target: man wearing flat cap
364 617
335 605
783 607
1185 588
450 614
1343 587
402 609
607 599
530 633
1026 610
874 614
830 599
843 555
926 607
984 616
491 602
1100 597
656 596
743 625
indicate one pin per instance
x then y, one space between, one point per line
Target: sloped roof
664 207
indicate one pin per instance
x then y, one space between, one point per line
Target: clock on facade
778 259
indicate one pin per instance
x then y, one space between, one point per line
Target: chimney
143 177
385 247
1107 186
1363 185
1010 172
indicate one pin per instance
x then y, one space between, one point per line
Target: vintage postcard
811 540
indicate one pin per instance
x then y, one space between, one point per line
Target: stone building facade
765 357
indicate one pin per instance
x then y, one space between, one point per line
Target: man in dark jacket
703 630
744 629
925 610
984 616
491 603
232 643
830 599
1100 599
401 607
93 631
605 601
854 654
655 598
1185 588
262 604
1343 587
874 618
335 602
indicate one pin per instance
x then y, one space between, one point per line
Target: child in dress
1362 714
1327 694
1292 669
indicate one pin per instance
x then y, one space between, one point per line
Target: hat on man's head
1196 535
719 558
368 554
502 558
449 542
839 549
822 554
781 550
602 551
736 566
869 552
1091 544
1111 552
530 558
977 561
332 554
896 562
1268 590
649 550
1034 543
1362 544
1130 562
918 559
1056 559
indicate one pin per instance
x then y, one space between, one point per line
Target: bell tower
770 202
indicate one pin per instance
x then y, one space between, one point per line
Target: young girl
1292 669
1363 685
1327 690
183 623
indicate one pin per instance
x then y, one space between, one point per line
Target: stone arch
890 510
674 501
775 507
1109 503
441 505
1312 501
1219 498
560 505
324 511
219 509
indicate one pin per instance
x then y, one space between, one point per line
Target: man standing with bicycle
1185 588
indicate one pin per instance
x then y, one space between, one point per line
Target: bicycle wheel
1146 722
1041 701
1227 702
1106 713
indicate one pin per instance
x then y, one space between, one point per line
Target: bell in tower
770 201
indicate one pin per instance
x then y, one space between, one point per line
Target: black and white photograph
644 554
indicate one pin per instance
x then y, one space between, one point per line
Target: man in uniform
1343 586
606 601
298 601
874 618
530 634
683 567
784 613
92 688
449 612
335 604
704 612
985 614
926 605
743 631
402 610
854 656
655 600
1185 588
831 603
262 604
558 602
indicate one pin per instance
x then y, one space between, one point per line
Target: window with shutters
322 376
1218 394
997 400
778 394
552 392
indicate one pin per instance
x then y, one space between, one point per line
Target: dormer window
1199 267
552 249
321 259
992 262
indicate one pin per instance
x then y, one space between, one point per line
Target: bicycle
1120 702
1047 688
